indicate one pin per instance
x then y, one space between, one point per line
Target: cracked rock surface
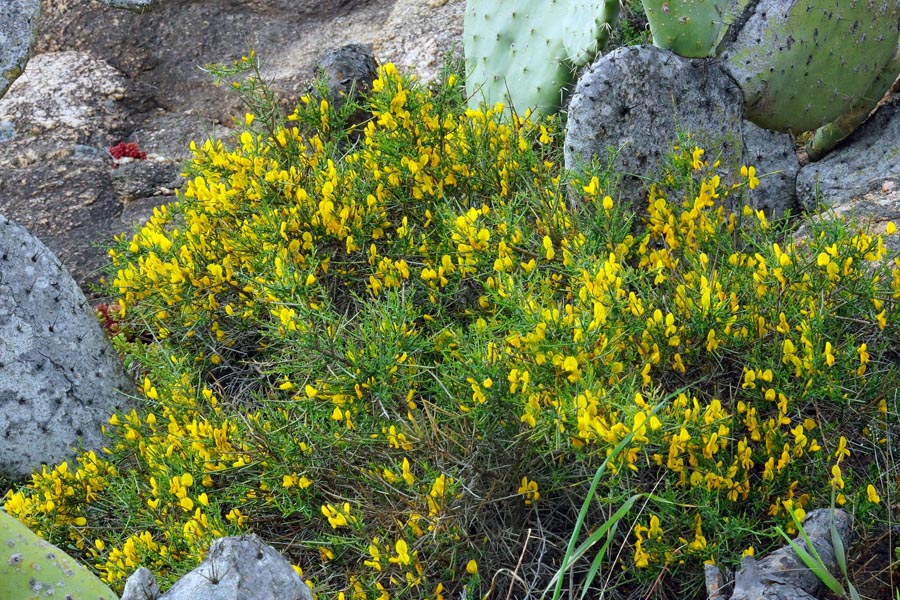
60 379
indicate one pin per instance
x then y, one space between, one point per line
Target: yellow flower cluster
378 343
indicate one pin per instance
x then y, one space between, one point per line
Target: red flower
129 150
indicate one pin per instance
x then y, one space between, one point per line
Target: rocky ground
102 75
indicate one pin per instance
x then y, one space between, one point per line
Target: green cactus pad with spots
689 28
33 568
802 64
524 52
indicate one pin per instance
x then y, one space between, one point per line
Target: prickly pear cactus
690 28
803 64
524 52
32 568
829 136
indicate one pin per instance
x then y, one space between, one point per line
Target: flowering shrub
393 358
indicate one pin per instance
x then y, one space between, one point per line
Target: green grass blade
838 544
814 564
598 560
582 514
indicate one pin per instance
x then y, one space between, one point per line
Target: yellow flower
549 252
402 551
530 490
836 477
863 359
829 356
407 473
696 155
750 174
336 517
872 494
842 450
472 567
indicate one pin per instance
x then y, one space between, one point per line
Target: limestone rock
873 210
637 100
773 155
240 568
169 134
141 586
18 20
419 34
57 177
863 163
71 94
142 185
60 379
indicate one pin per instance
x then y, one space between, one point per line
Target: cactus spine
33 568
524 52
690 28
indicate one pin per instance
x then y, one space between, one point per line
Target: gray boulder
71 94
57 177
636 101
348 72
861 165
60 379
236 568
18 21
164 51
773 155
141 586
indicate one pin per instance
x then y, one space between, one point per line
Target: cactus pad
524 52
33 568
802 64
689 28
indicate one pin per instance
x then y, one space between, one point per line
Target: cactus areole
803 63
524 52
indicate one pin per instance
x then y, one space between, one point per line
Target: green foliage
33 568
405 362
